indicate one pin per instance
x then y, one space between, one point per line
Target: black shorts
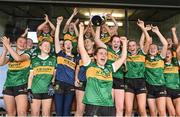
94 110
135 85
173 93
118 83
41 96
156 91
62 87
82 86
15 90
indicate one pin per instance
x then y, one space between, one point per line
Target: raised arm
69 20
57 42
75 29
114 21
3 58
84 55
144 46
97 40
92 31
175 38
108 29
155 29
117 64
40 27
13 53
178 52
51 26
142 40
25 32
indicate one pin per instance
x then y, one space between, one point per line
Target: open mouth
103 59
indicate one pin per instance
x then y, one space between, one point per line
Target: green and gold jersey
35 51
105 37
99 85
154 72
43 71
112 57
135 65
171 74
73 38
18 72
46 36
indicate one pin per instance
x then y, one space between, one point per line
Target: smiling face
132 47
116 43
169 56
45 47
21 43
68 46
101 56
153 50
46 28
29 43
89 44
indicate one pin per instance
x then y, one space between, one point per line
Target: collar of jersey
43 58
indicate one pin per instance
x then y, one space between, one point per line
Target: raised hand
148 27
154 29
124 40
81 26
5 41
108 16
140 23
46 18
173 29
75 11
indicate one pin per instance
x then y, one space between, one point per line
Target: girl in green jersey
135 85
171 74
99 78
15 87
154 76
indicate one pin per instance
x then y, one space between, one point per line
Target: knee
46 113
153 112
34 113
142 112
128 112
22 113
119 109
162 112
11 113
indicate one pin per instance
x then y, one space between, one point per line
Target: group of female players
104 71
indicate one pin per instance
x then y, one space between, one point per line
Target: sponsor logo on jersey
98 73
43 70
154 64
67 62
18 65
